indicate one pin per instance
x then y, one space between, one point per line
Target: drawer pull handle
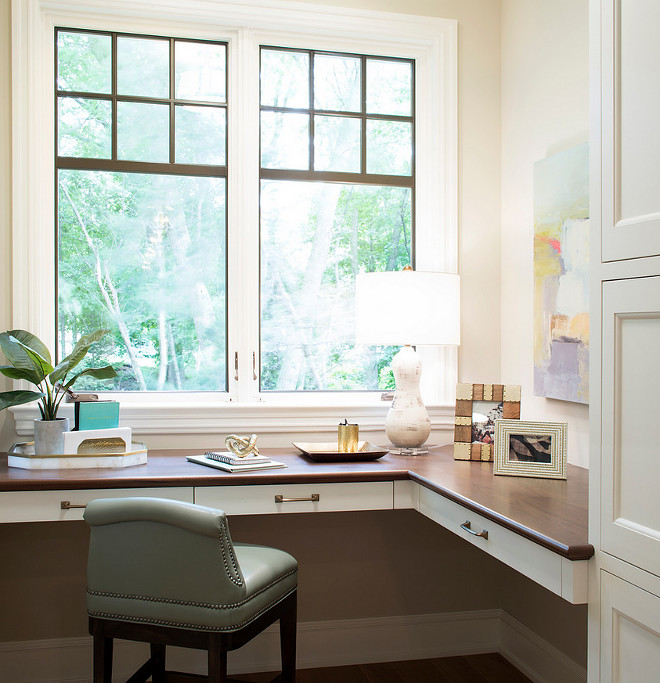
68 505
468 527
314 498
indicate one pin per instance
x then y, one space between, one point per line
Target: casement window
141 181
220 175
336 197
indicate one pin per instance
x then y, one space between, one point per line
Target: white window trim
244 24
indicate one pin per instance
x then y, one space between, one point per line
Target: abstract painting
561 275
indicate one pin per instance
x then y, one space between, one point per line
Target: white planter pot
49 436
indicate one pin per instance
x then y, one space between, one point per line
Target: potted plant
29 359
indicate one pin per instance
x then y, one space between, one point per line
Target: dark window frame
361 178
113 163
116 165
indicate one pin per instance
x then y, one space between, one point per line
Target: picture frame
477 408
530 449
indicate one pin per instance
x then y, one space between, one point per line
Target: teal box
96 415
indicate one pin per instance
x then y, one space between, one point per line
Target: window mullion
172 108
113 142
243 216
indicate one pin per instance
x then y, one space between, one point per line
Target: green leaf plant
29 359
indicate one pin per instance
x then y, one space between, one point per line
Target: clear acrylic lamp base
407 424
409 451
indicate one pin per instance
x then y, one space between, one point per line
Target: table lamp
404 308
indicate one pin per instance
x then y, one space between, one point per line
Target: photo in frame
478 406
530 449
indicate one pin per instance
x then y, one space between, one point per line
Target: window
337 183
141 196
141 187
97 155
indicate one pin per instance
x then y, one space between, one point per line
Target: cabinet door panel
631 109
630 524
630 632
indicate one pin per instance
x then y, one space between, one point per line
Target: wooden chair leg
102 658
158 663
217 658
288 622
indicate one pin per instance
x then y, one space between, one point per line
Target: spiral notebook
244 467
230 458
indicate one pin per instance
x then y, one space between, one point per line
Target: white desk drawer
259 500
46 506
551 570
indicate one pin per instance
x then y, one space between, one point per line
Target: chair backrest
160 549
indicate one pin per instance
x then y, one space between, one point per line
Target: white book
247 467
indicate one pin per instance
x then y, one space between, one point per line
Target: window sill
197 417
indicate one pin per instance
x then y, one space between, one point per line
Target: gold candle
347 437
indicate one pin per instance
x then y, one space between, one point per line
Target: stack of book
229 462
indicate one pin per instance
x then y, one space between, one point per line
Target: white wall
545 86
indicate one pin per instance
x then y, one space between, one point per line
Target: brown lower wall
352 565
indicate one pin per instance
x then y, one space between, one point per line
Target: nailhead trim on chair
192 627
172 601
227 548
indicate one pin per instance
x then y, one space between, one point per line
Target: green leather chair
167 573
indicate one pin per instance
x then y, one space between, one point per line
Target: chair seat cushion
269 575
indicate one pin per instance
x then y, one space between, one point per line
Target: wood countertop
550 512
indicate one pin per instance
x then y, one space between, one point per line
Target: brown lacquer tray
328 452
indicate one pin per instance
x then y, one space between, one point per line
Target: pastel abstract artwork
561 275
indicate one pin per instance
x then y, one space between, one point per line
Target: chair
167 573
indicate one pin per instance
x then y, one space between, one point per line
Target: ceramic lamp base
407 424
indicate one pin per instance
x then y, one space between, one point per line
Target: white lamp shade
407 307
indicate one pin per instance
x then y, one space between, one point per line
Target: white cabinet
630 514
59 506
624 599
630 131
630 632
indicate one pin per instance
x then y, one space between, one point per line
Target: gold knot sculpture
242 446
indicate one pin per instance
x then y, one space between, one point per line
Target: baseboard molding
327 643
534 656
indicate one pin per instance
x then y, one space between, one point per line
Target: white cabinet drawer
256 500
46 506
556 573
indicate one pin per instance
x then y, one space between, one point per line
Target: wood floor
488 668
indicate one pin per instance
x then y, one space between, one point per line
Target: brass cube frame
466 394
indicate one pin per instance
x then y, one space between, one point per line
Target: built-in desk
536 526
